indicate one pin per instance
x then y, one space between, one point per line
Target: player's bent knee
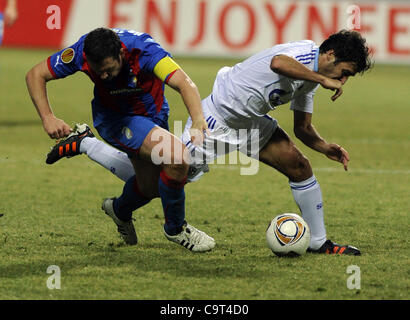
294 165
299 169
180 155
176 171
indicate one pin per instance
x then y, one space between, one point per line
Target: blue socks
173 202
130 200
172 197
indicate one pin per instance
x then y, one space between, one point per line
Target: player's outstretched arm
306 132
36 80
289 67
190 95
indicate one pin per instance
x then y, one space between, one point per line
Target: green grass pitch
51 214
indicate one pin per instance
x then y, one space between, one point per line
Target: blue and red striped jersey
135 91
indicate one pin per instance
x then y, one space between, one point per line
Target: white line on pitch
324 169
369 171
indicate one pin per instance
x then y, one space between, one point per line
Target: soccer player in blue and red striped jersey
130 112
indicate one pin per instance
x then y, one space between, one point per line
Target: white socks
308 197
110 158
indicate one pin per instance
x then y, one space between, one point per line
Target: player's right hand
56 128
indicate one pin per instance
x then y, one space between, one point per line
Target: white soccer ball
288 235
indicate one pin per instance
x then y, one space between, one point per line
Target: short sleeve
304 102
152 53
67 61
302 51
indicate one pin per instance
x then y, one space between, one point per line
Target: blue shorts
127 133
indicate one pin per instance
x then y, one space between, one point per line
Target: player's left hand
337 94
337 153
198 129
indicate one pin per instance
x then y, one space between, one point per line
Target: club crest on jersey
275 97
132 81
287 239
127 132
67 55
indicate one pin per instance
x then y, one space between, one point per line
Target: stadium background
220 27
51 216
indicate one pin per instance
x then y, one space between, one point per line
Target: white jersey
250 89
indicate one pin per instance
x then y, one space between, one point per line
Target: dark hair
102 43
349 46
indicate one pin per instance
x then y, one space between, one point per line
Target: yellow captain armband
165 68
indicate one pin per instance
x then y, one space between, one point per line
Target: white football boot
192 239
125 228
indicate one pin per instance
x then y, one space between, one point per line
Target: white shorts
224 139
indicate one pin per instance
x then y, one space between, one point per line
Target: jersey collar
316 64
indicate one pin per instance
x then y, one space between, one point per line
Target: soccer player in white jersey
241 97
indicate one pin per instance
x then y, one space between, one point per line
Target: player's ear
122 53
330 55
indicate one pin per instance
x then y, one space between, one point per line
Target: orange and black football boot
330 247
69 146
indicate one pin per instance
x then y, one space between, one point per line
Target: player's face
109 68
336 70
342 71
